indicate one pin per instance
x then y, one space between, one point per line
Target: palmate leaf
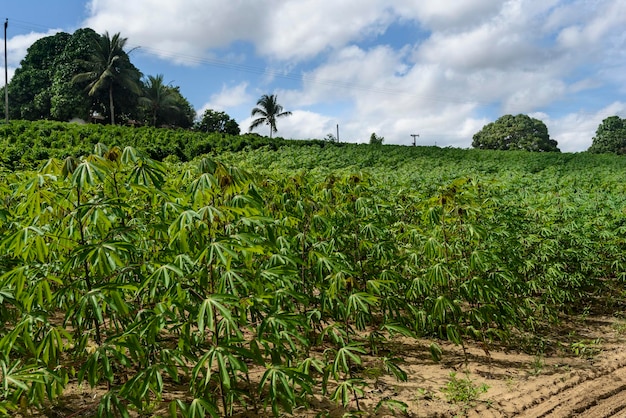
211 214
360 302
281 383
346 389
206 183
345 356
35 203
111 406
198 408
88 172
180 229
219 362
162 278
207 165
137 389
28 243
104 257
392 405
222 251
51 166
16 280
16 375
69 166
445 310
391 366
380 286
209 307
147 174
130 155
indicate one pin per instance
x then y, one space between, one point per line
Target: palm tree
268 109
158 97
109 67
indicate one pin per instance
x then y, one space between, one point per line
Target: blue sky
440 69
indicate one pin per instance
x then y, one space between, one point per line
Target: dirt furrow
607 407
600 391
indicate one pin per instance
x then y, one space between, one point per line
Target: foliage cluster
266 112
376 140
463 390
520 132
42 86
26 143
86 75
218 122
122 272
610 136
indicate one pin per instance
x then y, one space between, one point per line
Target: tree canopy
31 88
110 70
520 132
220 122
610 136
163 104
67 76
375 139
268 110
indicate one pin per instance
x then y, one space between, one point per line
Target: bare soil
581 372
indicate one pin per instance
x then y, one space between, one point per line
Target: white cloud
575 131
301 124
300 29
293 29
181 30
442 15
458 62
591 28
17 47
228 97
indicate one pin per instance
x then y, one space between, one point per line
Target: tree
519 132
330 137
375 139
159 100
43 86
110 70
269 110
610 136
29 89
68 100
185 115
214 121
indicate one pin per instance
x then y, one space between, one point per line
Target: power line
303 77
252 69
21 24
299 77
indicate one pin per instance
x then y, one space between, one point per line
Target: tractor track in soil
596 392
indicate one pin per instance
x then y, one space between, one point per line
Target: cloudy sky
440 69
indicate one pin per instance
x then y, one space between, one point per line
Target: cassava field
277 278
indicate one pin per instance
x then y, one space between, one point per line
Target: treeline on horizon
25 144
90 77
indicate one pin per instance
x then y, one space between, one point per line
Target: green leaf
87 173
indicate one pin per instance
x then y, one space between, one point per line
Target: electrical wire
302 77
252 69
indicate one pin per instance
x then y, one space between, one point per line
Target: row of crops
25 143
253 281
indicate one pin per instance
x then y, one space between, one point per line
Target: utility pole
414 140
337 132
6 74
